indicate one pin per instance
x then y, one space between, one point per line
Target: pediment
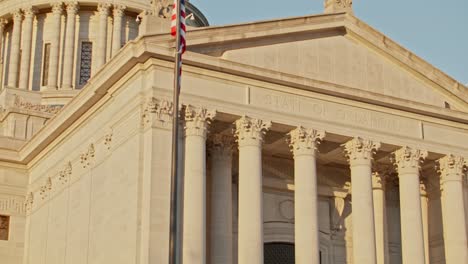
328 49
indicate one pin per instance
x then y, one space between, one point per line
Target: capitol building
303 140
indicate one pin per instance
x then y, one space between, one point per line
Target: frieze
334 112
19 102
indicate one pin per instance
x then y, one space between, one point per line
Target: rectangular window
45 66
4 226
85 62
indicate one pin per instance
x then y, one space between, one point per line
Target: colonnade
368 197
20 57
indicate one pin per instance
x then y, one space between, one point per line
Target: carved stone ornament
45 189
304 141
57 8
29 11
197 120
162 8
250 131
87 156
338 6
409 158
65 174
17 15
103 8
119 10
3 22
220 145
156 109
108 140
378 180
72 7
29 202
360 149
423 186
22 104
451 168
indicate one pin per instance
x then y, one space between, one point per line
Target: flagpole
177 199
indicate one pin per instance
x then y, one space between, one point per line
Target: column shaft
101 41
360 157
412 236
453 215
249 133
306 228
3 23
26 50
117 31
69 52
425 220
194 234
221 199
380 218
15 50
55 46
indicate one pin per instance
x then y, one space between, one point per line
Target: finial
338 6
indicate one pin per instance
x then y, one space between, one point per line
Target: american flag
182 24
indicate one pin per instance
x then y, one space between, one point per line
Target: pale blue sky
436 30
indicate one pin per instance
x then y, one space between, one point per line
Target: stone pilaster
13 73
408 161
117 31
197 120
380 216
452 170
57 9
3 23
303 143
249 134
101 49
220 148
29 14
69 52
360 154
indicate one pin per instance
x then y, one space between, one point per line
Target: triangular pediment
337 49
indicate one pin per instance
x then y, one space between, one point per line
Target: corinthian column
55 46
380 217
196 124
3 23
29 14
221 198
249 133
412 237
453 215
303 143
15 49
360 151
103 10
69 52
117 31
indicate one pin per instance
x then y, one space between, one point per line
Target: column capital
3 22
157 111
304 141
197 120
409 158
119 10
250 131
17 15
451 168
72 7
423 187
57 8
220 145
29 11
359 149
103 8
379 180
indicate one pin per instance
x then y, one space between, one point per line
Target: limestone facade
314 131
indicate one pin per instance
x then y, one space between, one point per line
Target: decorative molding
304 141
409 158
197 120
358 149
88 156
250 131
19 102
119 10
451 168
13 205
